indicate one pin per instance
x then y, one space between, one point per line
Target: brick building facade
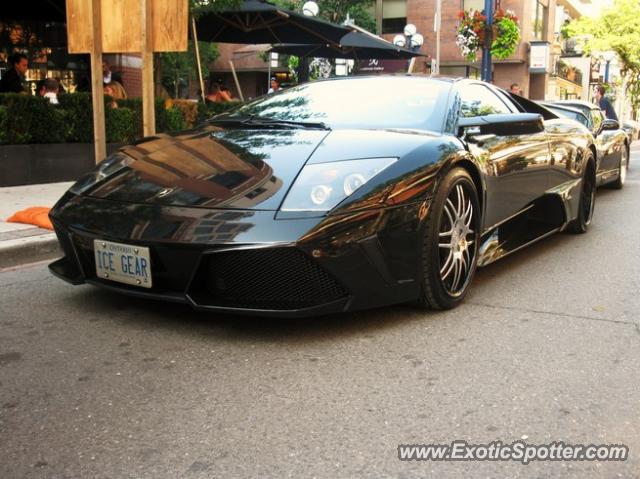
537 22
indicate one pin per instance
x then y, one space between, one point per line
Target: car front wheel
587 200
451 237
623 168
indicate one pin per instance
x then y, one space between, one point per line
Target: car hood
249 169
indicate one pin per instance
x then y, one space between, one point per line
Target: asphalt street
545 348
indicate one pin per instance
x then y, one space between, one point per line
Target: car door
516 166
605 142
567 140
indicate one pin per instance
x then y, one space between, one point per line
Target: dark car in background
612 143
567 112
631 128
330 196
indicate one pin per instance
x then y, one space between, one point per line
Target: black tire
587 200
623 167
441 288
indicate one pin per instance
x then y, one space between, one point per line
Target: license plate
123 263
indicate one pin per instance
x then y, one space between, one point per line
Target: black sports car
612 143
631 128
331 196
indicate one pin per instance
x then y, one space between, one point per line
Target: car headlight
320 187
106 168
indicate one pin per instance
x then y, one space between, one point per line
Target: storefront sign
367 67
539 57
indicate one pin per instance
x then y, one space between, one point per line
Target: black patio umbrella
257 21
355 45
44 10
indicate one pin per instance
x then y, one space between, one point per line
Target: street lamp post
310 9
436 28
409 39
608 58
486 51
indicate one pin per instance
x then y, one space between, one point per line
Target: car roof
576 102
561 106
414 76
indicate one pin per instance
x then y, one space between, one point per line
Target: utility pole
488 39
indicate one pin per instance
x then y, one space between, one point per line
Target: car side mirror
501 124
608 125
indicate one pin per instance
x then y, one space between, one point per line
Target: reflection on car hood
241 168
213 167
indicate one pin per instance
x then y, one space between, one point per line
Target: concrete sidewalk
21 243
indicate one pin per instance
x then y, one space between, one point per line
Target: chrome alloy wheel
588 199
624 164
457 240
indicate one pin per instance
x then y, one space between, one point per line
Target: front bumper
248 262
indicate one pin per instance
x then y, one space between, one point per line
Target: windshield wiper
293 123
253 120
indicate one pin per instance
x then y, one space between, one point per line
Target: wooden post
235 78
97 79
195 44
412 64
148 98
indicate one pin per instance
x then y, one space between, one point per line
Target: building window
394 16
467 5
467 71
538 16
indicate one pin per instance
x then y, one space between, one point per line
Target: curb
30 249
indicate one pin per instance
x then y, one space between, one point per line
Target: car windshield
369 103
574 115
584 109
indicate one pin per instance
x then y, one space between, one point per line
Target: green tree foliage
618 30
335 11
180 67
177 68
197 7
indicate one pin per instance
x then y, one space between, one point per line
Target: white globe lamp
310 9
399 41
410 29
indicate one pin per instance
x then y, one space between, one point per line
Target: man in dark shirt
604 104
12 80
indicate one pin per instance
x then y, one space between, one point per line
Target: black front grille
268 278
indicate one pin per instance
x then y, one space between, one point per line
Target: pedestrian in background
515 89
216 95
604 104
226 91
117 90
12 80
108 76
40 90
109 91
51 90
61 89
275 86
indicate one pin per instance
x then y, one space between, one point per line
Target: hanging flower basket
470 35
472 29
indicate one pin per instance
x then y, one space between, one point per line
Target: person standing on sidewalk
12 80
604 104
